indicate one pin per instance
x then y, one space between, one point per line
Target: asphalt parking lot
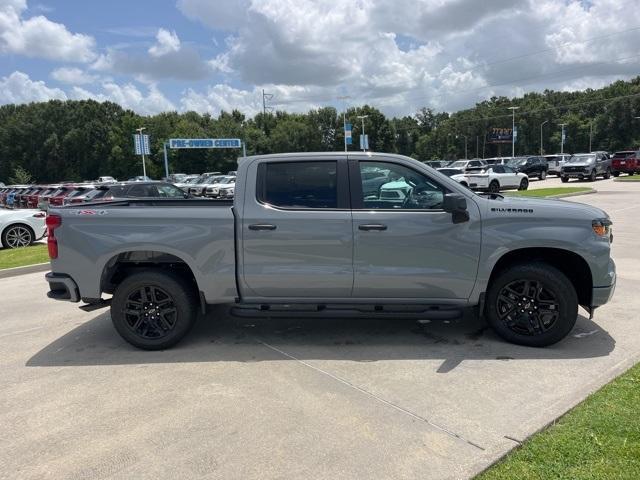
295 399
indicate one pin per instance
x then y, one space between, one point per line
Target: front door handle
262 226
372 226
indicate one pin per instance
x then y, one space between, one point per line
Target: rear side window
299 184
142 191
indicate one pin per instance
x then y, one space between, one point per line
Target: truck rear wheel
153 310
532 304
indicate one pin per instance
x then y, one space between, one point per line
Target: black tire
616 174
524 184
592 176
564 179
607 174
542 175
548 304
494 186
167 311
17 236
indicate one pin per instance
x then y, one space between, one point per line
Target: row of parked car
501 173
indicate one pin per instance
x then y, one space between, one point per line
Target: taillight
53 222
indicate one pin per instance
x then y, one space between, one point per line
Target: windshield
517 161
581 159
458 164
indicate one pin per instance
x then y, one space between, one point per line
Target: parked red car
79 194
34 196
57 198
627 161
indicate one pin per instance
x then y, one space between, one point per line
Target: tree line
78 140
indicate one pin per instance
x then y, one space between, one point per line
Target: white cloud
39 37
19 88
127 96
404 54
72 76
167 42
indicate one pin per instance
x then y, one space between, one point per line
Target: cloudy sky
399 55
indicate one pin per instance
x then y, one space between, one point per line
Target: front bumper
62 287
602 295
579 174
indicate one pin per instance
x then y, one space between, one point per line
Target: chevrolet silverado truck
306 235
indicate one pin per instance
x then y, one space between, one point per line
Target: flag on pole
364 142
141 143
347 133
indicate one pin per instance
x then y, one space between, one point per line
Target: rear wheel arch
570 263
125 264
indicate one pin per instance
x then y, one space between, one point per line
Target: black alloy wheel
150 312
533 304
527 307
154 308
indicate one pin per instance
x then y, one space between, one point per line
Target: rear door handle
372 226
262 226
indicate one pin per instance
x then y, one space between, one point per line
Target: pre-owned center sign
205 143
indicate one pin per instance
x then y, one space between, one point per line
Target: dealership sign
500 135
205 143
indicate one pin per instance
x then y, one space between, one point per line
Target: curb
574 194
14 272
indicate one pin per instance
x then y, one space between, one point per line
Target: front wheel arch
570 263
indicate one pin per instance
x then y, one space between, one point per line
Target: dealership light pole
344 119
465 145
562 138
362 117
513 130
542 125
140 130
590 133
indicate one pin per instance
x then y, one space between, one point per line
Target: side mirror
456 204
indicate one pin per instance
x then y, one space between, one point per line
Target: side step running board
340 311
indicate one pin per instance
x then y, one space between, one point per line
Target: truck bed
199 233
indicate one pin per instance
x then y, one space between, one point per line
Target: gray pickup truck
335 234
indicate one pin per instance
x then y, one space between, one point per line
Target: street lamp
541 125
140 130
513 130
562 138
344 119
362 117
465 145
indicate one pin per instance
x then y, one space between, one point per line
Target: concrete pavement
294 399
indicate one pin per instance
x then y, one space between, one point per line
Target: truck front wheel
532 304
153 309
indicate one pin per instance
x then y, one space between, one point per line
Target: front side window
299 184
140 191
399 187
169 191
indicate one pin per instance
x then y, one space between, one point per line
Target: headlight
602 227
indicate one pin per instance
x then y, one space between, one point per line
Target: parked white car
556 162
465 164
493 178
213 190
20 228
